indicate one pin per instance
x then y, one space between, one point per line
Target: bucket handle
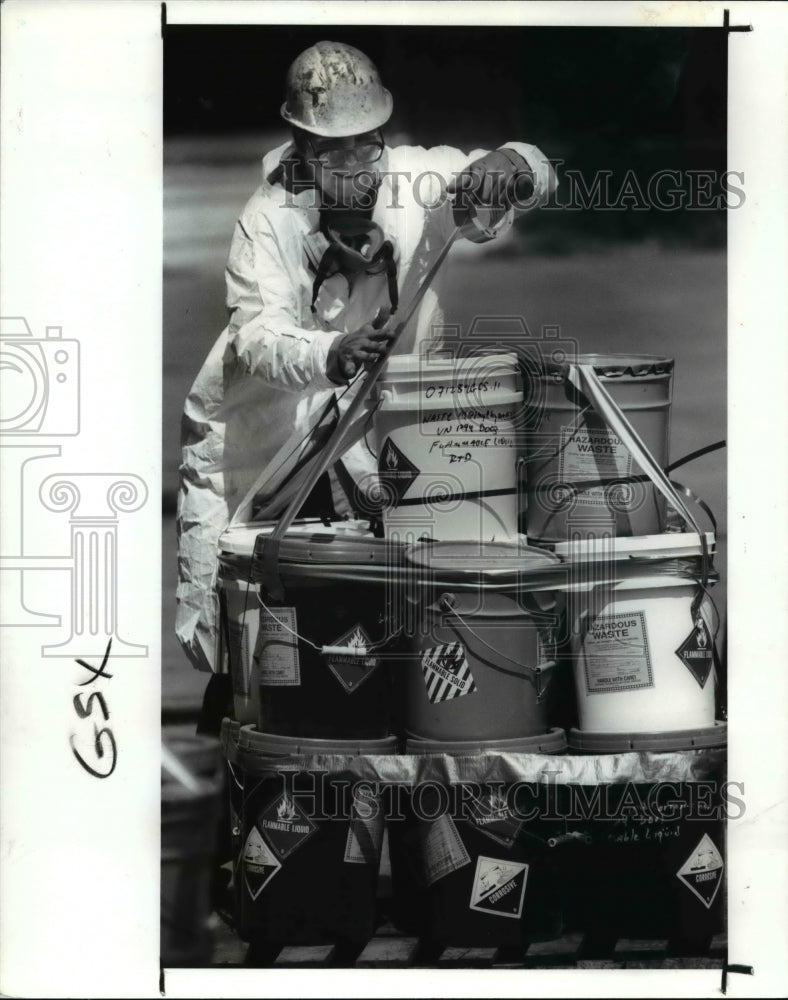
325 650
446 604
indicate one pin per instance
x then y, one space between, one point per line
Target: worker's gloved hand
361 347
492 182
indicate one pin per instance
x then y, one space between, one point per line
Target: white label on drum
589 454
616 653
276 651
442 849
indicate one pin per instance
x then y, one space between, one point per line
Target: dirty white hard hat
334 90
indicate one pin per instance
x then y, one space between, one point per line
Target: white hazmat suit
266 373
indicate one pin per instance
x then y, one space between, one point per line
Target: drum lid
613 365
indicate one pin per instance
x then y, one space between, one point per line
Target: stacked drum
520 614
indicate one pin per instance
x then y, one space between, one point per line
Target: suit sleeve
263 302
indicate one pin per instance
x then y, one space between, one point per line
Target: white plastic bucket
642 637
446 447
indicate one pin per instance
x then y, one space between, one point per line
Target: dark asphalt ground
627 298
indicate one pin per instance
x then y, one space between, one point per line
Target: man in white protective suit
342 229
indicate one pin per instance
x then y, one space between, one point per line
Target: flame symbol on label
701 634
497 803
357 639
286 810
391 457
451 659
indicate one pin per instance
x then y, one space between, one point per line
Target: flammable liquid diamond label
499 887
702 871
697 652
350 670
396 470
259 863
285 825
490 815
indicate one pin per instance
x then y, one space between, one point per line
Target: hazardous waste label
396 472
349 669
616 653
285 825
697 652
499 887
446 672
591 454
442 849
276 649
702 871
259 863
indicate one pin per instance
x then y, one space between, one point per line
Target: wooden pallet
390 949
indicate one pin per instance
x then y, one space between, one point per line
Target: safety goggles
343 156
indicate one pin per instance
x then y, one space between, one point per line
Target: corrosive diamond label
351 671
396 471
285 825
697 652
499 887
446 672
259 863
702 871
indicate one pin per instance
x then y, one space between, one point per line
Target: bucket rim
251 740
553 740
436 364
456 557
612 364
700 738
666 545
